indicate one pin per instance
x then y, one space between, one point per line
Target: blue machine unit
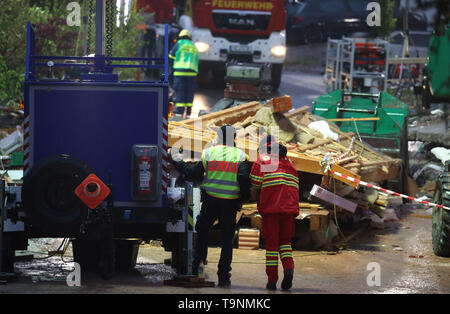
100 121
95 161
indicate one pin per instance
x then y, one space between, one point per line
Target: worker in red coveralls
275 185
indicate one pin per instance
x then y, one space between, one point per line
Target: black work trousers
224 210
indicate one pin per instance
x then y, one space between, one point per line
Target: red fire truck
250 31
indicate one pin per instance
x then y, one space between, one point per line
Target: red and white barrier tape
336 159
387 191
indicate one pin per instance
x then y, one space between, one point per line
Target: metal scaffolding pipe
100 28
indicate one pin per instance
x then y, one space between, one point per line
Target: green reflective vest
221 165
186 58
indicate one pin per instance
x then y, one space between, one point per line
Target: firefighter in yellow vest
224 172
185 58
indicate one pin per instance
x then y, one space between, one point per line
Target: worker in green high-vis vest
224 172
185 58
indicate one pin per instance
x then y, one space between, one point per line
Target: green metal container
439 65
388 134
16 159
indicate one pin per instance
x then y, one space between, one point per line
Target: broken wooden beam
312 165
332 198
241 112
297 111
194 140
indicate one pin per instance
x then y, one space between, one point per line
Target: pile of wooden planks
316 213
196 134
356 159
306 151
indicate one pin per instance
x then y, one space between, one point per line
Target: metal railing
98 64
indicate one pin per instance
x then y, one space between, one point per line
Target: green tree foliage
442 17
53 37
126 39
387 18
13 18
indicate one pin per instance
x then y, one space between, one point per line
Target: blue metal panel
96 126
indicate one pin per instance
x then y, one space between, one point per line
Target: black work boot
224 280
286 284
271 286
224 283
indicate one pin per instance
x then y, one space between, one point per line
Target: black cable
55 252
64 251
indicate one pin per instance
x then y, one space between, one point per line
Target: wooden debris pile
307 147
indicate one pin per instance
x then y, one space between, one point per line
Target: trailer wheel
441 217
49 199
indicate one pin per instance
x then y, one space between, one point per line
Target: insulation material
441 153
275 124
324 129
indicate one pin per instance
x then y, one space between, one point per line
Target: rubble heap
308 139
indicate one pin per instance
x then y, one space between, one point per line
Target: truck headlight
278 51
201 46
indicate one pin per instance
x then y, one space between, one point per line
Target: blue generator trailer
95 162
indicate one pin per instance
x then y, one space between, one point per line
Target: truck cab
244 31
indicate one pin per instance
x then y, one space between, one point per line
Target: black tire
277 70
441 217
48 196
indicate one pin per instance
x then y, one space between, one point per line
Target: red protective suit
278 206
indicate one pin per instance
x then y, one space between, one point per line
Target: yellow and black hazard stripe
191 217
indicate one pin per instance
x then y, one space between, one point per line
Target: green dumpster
380 120
386 131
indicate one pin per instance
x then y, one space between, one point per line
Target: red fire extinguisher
145 175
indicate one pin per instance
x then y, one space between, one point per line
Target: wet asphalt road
302 87
402 250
